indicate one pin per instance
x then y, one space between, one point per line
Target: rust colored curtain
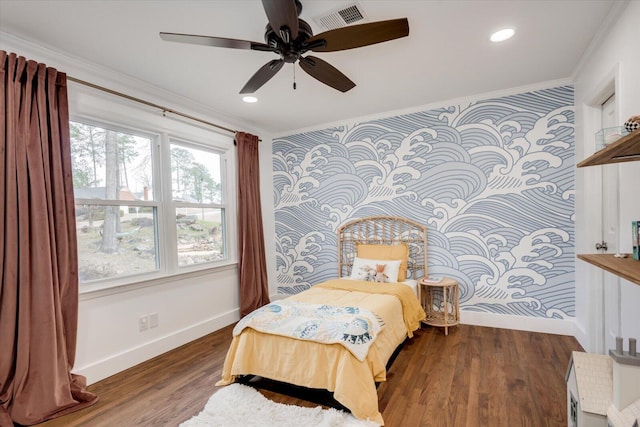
38 254
252 265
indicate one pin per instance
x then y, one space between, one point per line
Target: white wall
268 221
615 57
188 305
188 308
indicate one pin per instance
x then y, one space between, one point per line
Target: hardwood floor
475 376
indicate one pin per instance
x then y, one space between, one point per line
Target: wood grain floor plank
475 377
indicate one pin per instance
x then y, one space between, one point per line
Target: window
143 211
197 196
116 216
573 411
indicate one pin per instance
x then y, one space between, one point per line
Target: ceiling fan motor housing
290 52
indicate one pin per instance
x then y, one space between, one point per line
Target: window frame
162 131
172 205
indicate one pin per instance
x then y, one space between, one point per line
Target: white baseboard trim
520 323
111 365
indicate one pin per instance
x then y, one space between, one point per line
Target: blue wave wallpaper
493 181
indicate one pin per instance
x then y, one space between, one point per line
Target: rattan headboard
383 230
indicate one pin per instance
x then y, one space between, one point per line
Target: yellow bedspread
411 308
331 366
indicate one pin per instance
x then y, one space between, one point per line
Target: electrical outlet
143 323
154 321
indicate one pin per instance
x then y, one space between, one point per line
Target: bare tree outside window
116 238
111 213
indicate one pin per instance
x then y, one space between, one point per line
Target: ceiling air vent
341 17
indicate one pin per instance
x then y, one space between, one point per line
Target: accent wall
492 179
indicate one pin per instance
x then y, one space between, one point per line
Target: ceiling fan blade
326 73
262 76
282 14
215 41
359 35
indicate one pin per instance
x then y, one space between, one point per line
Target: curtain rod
150 104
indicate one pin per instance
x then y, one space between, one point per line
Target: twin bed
385 315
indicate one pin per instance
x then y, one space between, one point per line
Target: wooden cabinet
626 149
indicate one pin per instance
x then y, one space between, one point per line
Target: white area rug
242 406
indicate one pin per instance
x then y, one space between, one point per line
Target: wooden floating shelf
626 149
627 268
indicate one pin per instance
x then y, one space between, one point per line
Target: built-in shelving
626 149
627 268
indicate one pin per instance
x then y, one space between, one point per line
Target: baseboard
111 365
520 323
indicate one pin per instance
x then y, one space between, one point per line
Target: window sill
105 289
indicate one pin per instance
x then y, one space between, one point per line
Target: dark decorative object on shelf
635 239
632 124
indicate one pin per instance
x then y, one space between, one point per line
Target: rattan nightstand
440 303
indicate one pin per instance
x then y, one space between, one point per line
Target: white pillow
362 267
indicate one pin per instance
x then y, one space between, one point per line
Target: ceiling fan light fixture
502 35
250 99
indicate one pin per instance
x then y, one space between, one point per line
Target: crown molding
466 100
82 69
607 24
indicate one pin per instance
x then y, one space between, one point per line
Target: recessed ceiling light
502 35
250 99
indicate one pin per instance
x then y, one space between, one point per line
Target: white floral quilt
354 328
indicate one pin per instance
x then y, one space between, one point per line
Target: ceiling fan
291 37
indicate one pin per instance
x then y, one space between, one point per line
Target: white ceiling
447 54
